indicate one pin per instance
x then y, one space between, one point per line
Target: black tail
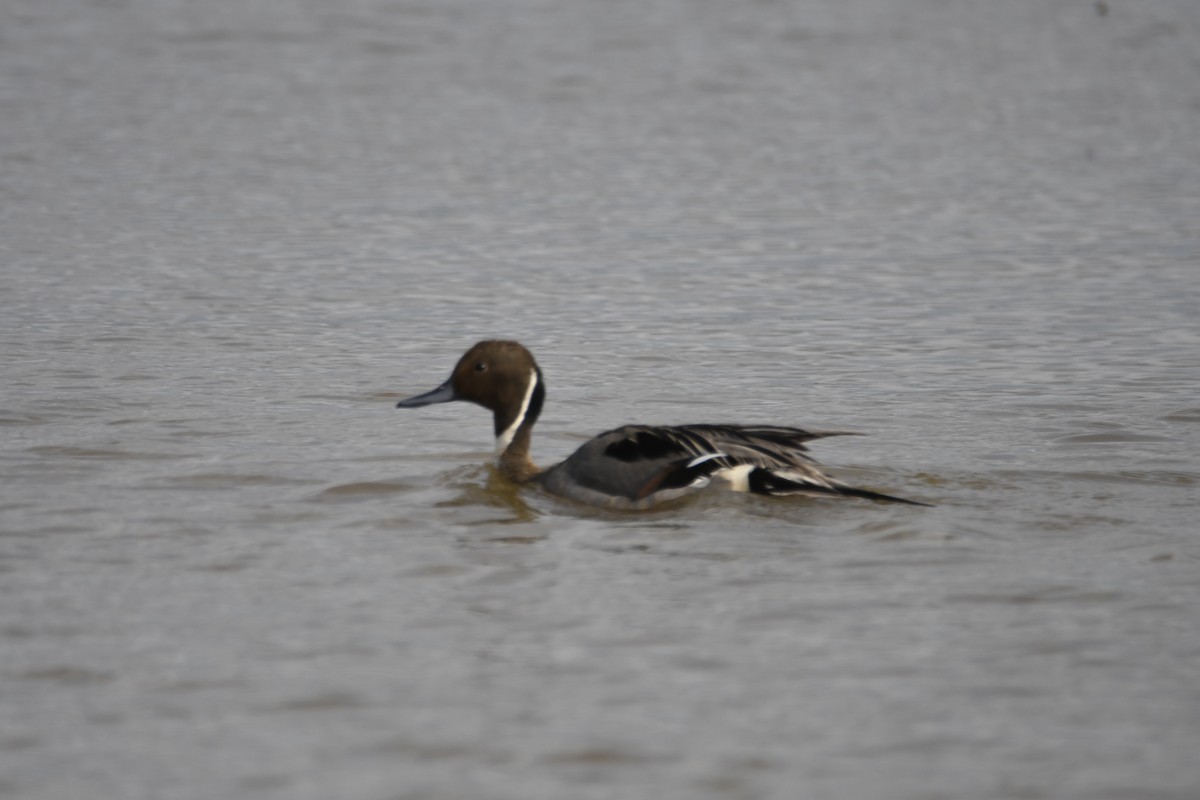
765 481
867 494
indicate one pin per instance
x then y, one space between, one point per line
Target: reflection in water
497 491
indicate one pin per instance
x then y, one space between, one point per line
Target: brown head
498 375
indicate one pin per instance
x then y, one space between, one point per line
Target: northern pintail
635 466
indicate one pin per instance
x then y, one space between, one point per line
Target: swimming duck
634 466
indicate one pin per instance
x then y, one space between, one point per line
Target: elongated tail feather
867 494
770 482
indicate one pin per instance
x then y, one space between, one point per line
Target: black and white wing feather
637 466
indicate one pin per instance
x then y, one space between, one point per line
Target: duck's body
635 466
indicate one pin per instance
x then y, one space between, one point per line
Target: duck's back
638 466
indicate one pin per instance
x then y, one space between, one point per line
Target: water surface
234 234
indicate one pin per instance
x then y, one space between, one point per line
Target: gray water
233 234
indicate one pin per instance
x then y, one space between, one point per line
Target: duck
633 467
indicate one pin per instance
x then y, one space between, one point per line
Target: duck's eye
481 367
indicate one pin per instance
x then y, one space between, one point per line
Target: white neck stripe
505 439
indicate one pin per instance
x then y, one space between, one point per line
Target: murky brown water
233 234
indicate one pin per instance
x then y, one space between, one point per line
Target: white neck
505 438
